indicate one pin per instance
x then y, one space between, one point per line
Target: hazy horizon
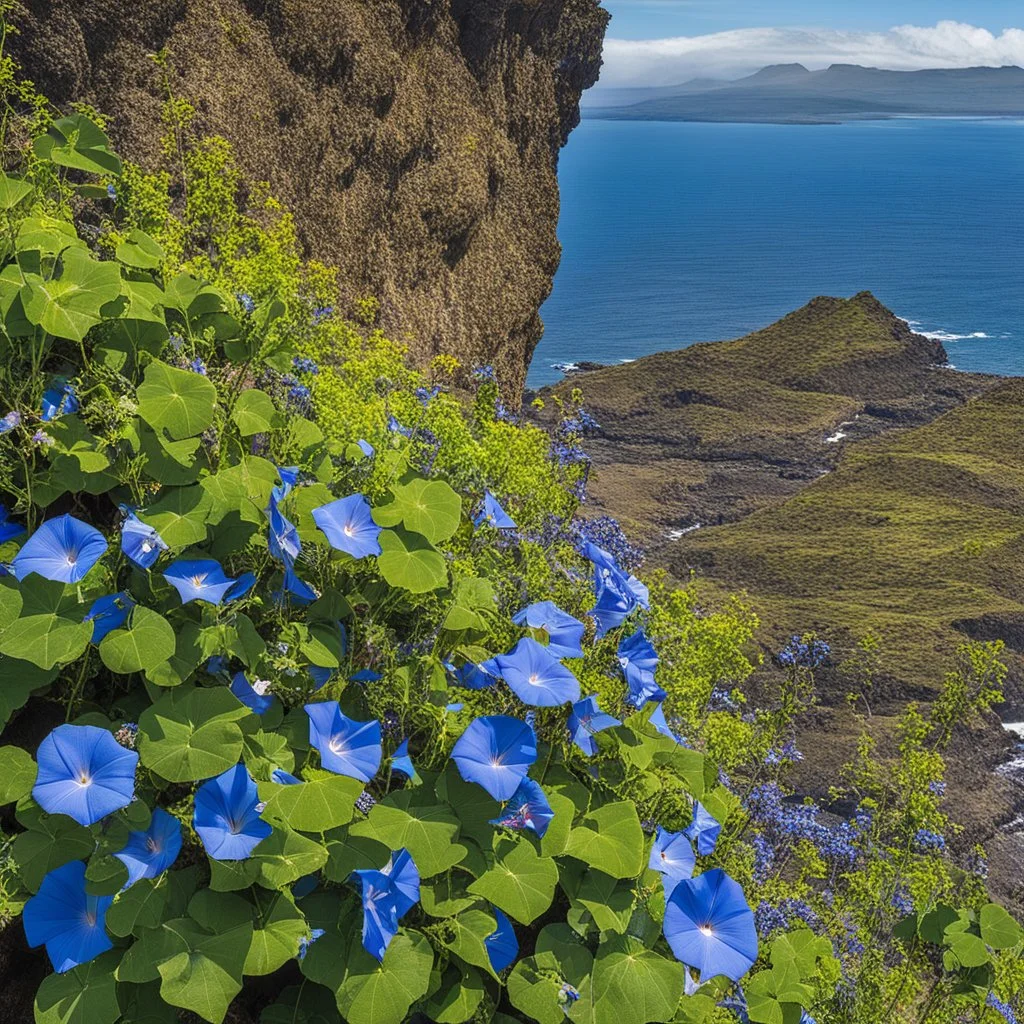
660 43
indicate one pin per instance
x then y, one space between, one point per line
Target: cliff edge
416 141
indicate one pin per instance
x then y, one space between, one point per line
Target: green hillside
918 536
907 525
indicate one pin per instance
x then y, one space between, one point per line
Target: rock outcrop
416 141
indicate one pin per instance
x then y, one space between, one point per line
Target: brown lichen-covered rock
416 141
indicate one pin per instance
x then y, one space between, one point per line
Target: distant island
791 94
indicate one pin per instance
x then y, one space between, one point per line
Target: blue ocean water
675 233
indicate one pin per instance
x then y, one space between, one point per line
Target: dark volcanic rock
416 141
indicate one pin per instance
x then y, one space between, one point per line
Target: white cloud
730 54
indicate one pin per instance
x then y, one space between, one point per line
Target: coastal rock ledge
416 141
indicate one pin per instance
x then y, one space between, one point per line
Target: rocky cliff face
415 140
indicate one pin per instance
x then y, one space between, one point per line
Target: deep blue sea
675 233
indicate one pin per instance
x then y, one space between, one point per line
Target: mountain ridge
792 93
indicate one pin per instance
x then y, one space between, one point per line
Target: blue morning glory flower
535 676
84 773
70 922
226 815
388 895
380 915
496 752
62 549
710 927
608 570
10 421
8 530
586 720
366 448
502 945
564 632
567 995
321 676
282 537
405 879
616 593
140 542
638 659
289 476
216 664
241 587
690 987
365 675
306 941
528 808
295 590
149 854
58 400
396 428
611 608
349 526
659 722
704 830
493 514
473 676
283 778
252 695
346 747
199 579
673 858
402 762
108 613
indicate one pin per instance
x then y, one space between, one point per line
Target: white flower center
84 779
147 546
535 679
336 745
705 930
349 530
152 845
198 581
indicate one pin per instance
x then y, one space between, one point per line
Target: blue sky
664 42
653 19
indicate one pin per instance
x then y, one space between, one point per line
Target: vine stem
79 686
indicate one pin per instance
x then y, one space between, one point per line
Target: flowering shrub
346 694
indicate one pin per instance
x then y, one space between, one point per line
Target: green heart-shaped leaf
145 644
411 562
69 306
192 735
178 401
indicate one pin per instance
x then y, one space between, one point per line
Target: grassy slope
911 527
716 431
918 536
